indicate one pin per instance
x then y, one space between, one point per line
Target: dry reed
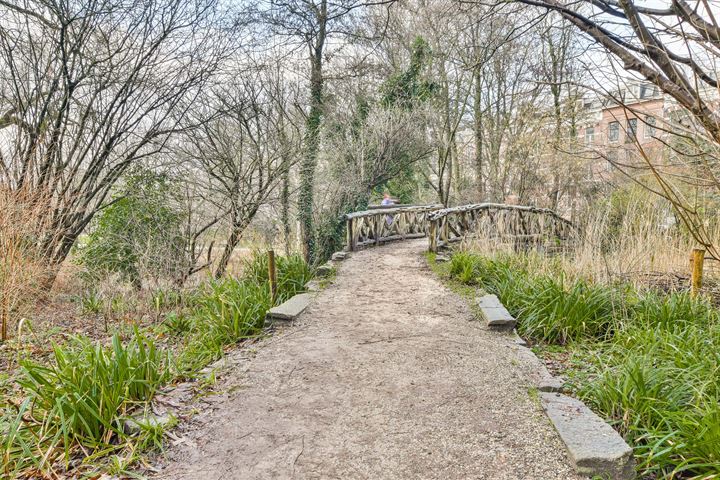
22 269
637 241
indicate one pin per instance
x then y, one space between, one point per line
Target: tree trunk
232 242
478 134
312 138
285 212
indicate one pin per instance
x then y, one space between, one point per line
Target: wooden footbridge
524 226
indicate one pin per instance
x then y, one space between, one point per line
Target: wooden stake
272 275
696 262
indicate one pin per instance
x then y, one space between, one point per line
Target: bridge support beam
349 235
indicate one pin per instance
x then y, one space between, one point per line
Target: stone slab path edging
291 308
495 313
595 447
387 374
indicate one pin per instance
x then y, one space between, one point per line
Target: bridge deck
386 376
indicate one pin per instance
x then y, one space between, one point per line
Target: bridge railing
524 225
380 225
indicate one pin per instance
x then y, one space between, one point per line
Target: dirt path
386 376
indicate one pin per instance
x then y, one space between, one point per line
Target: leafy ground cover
65 412
647 361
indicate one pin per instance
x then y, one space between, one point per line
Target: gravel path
387 375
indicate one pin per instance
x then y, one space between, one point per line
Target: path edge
594 447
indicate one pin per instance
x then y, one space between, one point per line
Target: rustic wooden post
433 236
378 226
272 275
696 261
349 234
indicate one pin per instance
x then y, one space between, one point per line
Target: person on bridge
388 201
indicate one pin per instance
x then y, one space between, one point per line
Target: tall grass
648 361
23 270
632 237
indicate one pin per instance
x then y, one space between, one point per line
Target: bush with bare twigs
22 269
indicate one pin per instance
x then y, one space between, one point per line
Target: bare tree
310 24
242 154
675 47
369 148
88 89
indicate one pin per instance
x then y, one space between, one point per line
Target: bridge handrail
452 224
496 206
527 224
389 210
380 225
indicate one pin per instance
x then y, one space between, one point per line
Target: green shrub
139 234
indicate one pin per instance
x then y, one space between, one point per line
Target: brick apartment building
618 128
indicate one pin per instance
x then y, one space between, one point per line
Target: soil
386 375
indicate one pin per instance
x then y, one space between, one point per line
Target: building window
589 135
649 127
631 134
648 91
614 131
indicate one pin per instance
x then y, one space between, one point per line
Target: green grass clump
554 311
465 268
229 310
659 386
648 361
655 308
292 273
551 309
80 399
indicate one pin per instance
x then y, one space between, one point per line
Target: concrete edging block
290 309
594 447
495 313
